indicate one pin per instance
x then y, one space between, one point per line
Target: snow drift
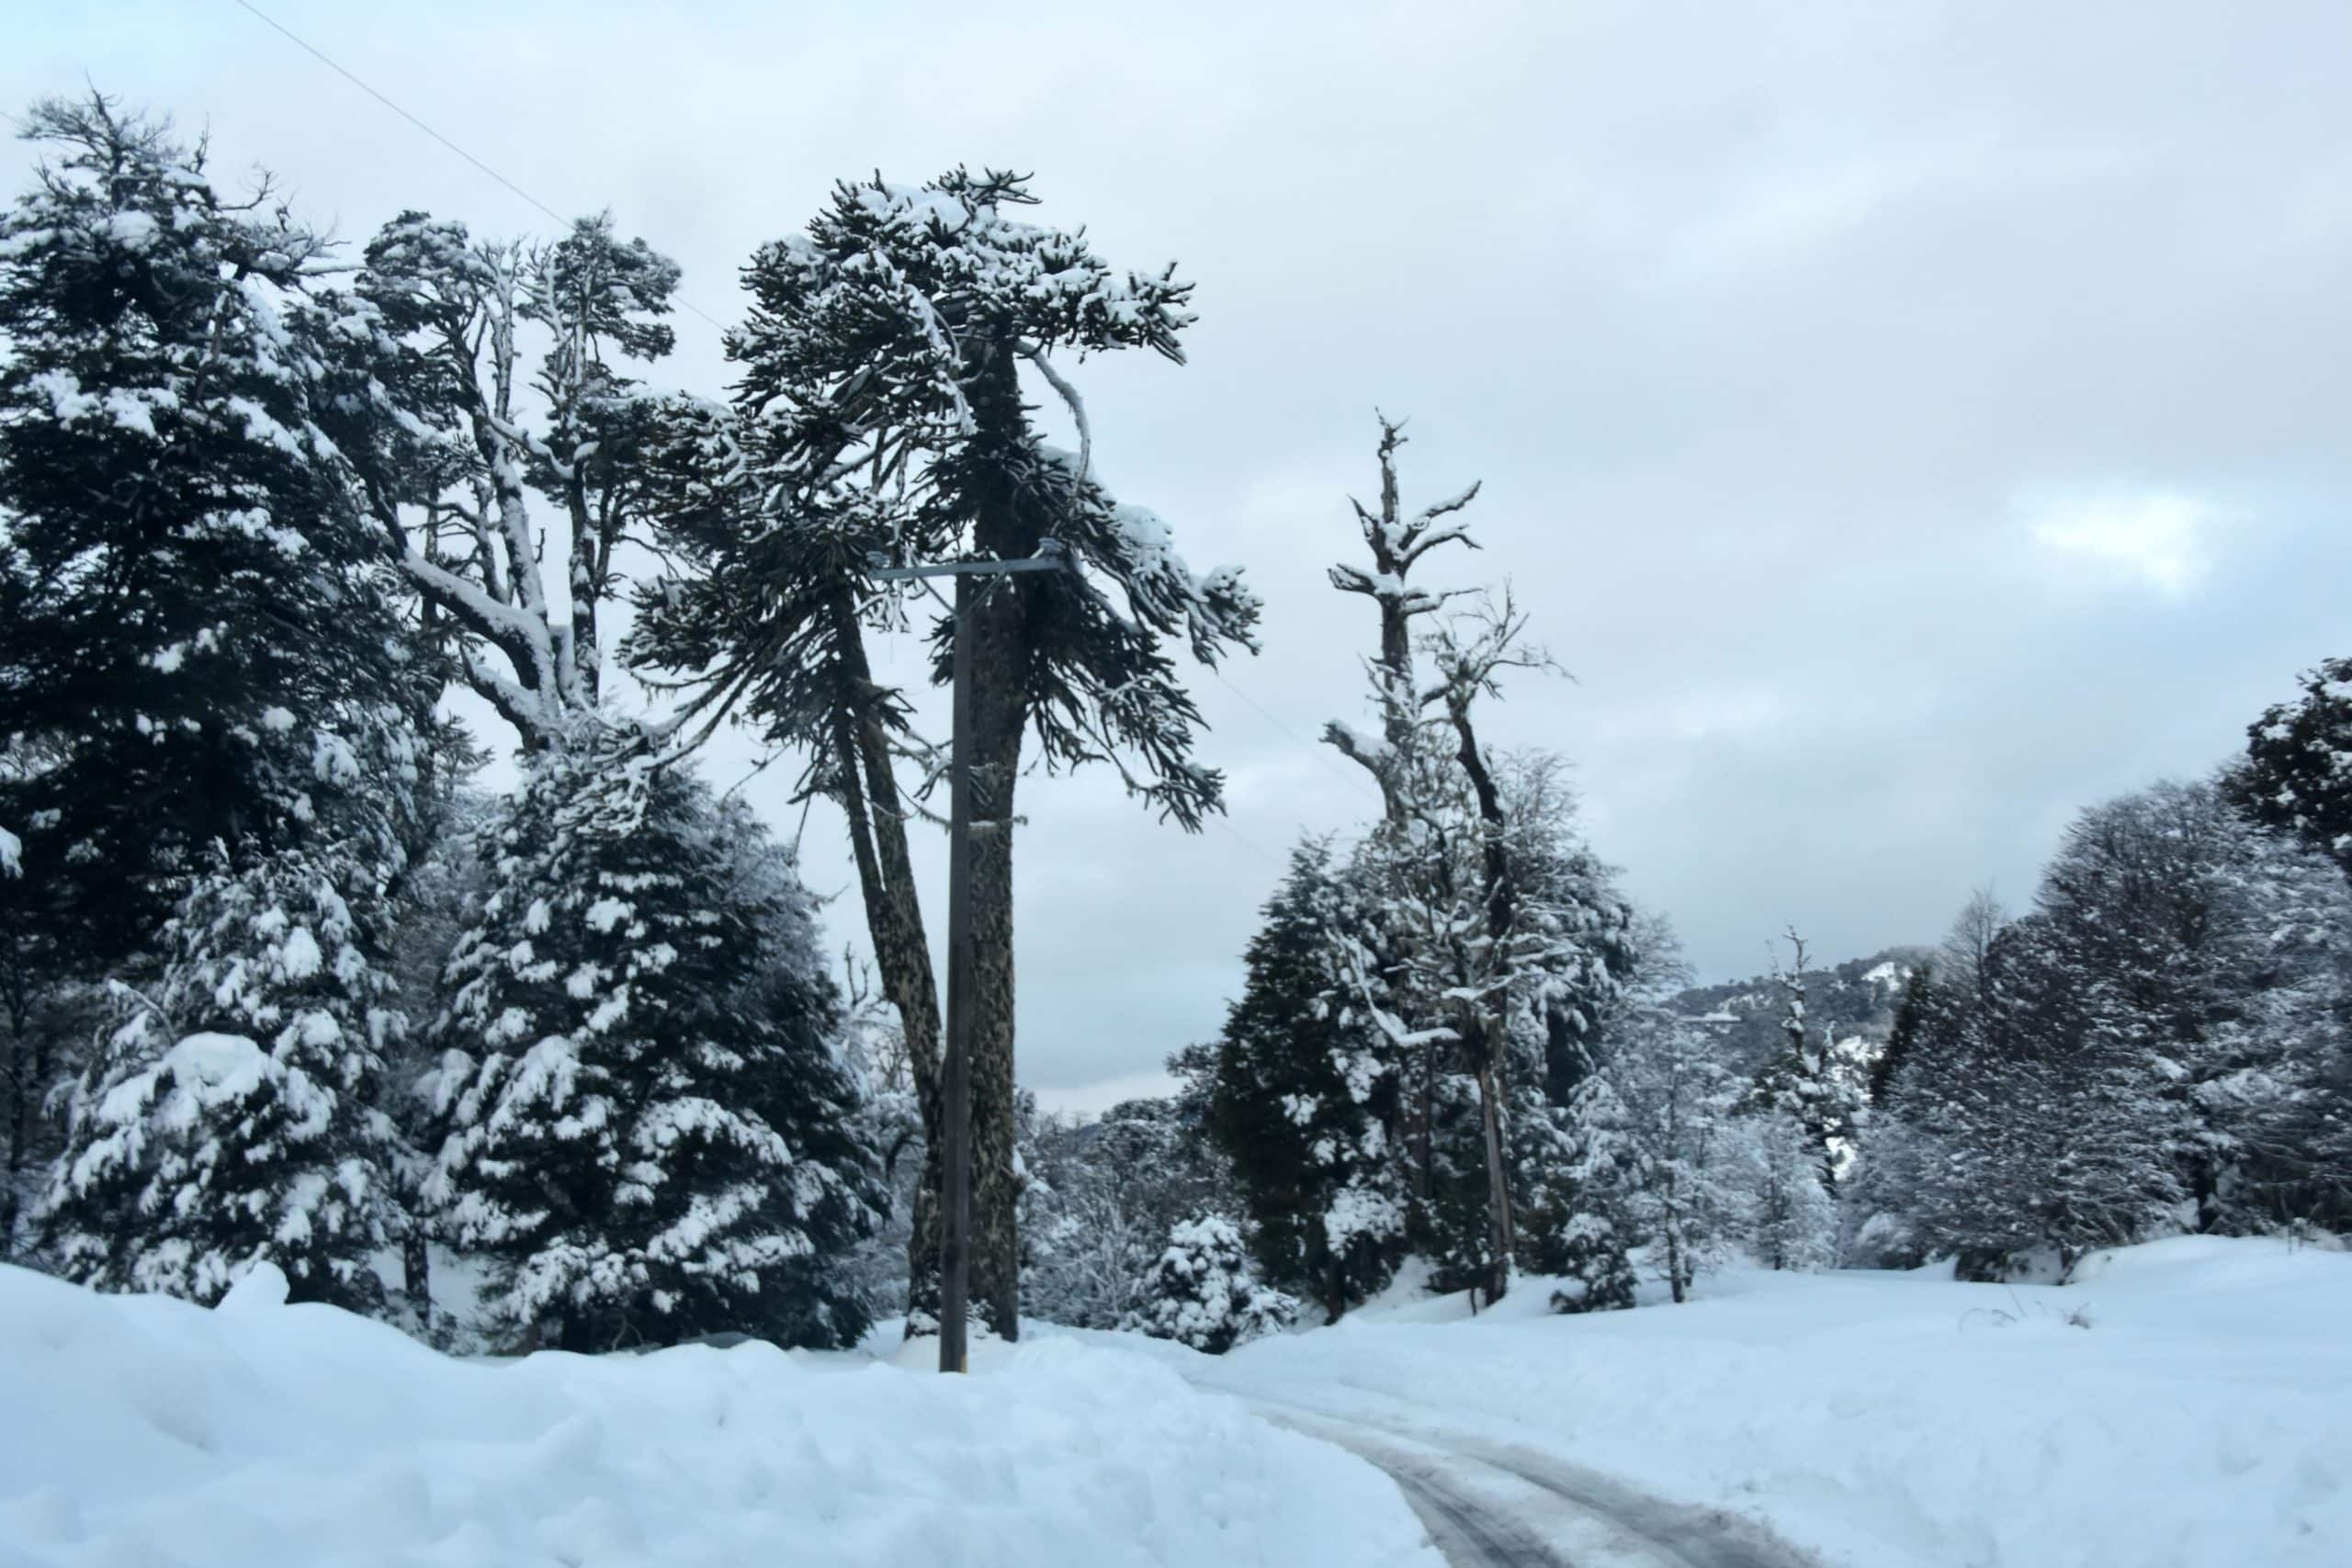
142 1430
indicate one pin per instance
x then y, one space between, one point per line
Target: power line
323 57
1321 756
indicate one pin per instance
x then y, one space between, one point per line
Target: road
1493 1505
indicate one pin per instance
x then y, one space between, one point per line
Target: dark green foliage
2298 770
1301 1103
650 1130
1903 1038
200 642
233 1117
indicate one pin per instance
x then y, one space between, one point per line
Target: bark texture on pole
955 1140
1003 529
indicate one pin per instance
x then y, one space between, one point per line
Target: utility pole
956 1091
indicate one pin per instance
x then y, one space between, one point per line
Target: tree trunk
1003 529
1502 1240
877 832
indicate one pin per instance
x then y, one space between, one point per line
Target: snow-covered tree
2152 1049
233 1117
203 646
1100 1200
651 1134
1674 1102
211 710
1304 1100
1200 1292
881 414
500 370
1791 1220
2297 774
1804 1079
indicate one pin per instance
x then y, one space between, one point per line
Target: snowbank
141 1430
2203 1419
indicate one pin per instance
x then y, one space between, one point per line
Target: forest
578 1064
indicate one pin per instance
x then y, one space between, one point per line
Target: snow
146 1431
2203 1419
12 854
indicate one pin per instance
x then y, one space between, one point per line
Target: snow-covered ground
2203 1416
139 1432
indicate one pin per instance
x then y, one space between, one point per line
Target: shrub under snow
1200 1293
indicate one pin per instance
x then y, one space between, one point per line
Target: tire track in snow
1495 1505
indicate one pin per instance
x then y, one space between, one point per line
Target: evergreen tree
1200 1293
1803 1081
652 1135
201 644
210 713
1910 1018
2297 774
1303 1100
233 1118
881 415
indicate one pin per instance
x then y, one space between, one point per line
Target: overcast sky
1910 423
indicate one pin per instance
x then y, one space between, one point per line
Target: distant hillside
1857 998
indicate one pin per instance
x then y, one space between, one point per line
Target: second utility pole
956 1096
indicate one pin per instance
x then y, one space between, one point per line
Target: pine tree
1910 1018
211 710
1200 1292
1802 1079
1303 1099
201 641
652 1135
2297 774
233 1118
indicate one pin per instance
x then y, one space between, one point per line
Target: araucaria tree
651 1131
880 416
210 709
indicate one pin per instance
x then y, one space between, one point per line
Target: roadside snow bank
2203 1419
144 1430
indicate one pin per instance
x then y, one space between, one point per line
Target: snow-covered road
1490 1504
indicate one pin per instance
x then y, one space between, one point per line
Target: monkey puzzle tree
880 416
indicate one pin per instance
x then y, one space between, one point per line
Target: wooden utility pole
955 1071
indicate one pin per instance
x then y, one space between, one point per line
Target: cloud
2158 537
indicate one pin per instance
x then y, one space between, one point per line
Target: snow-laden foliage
473 426
2298 770
1791 1221
1201 1291
233 1117
878 417
200 644
1303 1093
1100 1198
651 1131
1806 1079
2155 1047
1598 1274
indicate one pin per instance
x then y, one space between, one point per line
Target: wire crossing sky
1911 423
